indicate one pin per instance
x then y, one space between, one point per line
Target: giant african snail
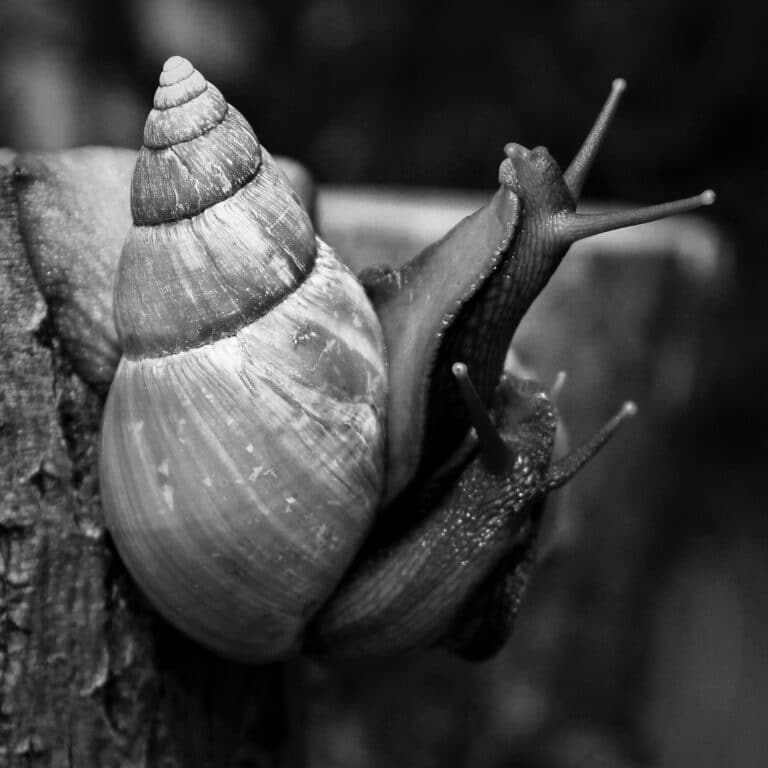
269 406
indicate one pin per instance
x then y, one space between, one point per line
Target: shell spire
188 110
219 235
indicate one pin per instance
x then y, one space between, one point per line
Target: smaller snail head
527 426
517 444
535 177
518 439
550 195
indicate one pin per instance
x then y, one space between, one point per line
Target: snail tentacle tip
558 385
708 197
628 409
619 85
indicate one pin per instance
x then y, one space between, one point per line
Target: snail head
535 177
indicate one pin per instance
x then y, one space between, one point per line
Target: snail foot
485 624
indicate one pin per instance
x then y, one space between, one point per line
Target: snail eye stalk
578 170
577 226
497 456
558 385
564 469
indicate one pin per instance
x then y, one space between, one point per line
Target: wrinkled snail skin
242 445
416 305
498 261
407 595
456 578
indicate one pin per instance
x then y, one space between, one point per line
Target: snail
293 458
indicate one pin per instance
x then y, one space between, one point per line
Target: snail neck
482 333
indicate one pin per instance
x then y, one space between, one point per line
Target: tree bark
88 675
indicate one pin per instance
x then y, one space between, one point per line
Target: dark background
426 94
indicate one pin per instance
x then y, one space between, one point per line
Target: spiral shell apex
242 444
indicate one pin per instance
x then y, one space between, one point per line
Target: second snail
294 458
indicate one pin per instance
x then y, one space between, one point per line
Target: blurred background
664 662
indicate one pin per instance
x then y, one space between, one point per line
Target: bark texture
88 675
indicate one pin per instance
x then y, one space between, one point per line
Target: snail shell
242 443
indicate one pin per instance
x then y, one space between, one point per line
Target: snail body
475 285
286 459
457 577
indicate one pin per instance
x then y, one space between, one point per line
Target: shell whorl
219 235
185 106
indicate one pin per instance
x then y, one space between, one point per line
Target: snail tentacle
576 226
577 172
494 451
564 469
